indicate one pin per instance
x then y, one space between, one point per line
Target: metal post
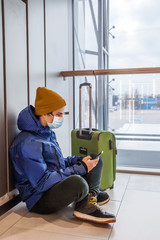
96 102
80 114
90 109
73 61
100 64
106 64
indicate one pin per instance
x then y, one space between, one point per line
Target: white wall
59 58
36 46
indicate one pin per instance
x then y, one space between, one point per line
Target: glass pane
85 40
134 100
91 61
85 102
134 117
90 35
79 34
137 33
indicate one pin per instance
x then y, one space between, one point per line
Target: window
91 52
120 34
134 106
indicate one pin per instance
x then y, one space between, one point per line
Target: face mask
57 122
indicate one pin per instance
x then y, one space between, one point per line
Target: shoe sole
104 202
92 218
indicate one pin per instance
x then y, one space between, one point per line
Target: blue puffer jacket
37 159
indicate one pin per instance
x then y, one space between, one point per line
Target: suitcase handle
90 107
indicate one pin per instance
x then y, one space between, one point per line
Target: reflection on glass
135 101
134 117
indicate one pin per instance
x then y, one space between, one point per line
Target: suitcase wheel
112 186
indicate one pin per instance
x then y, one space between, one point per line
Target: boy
47 181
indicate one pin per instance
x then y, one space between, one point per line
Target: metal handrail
137 137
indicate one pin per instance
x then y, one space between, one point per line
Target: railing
134 147
95 73
110 71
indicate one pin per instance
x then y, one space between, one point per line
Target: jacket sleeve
35 167
71 160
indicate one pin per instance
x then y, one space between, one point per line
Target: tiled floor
135 200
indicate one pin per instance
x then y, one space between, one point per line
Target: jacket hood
27 121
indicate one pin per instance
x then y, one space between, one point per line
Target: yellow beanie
47 101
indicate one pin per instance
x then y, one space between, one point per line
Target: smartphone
99 154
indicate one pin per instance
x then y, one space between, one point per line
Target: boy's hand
90 163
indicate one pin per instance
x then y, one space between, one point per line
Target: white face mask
57 122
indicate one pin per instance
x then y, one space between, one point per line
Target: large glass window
134 117
121 34
134 100
91 52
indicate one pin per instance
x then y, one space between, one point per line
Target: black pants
72 189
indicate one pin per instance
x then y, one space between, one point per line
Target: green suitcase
87 141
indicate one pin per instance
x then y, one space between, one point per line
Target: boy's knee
80 185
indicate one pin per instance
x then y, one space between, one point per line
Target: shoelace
93 200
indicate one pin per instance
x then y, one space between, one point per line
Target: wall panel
3 165
14 92
36 46
58 58
16 66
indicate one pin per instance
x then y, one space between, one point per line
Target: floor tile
120 185
64 222
144 182
12 216
138 217
111 207
16 233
